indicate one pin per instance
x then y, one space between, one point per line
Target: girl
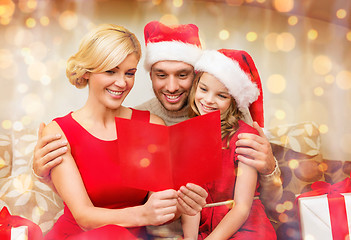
97 205
227 81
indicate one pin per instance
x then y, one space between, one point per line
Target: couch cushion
5 155
23 193
297 150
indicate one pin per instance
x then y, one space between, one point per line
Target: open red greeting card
155 157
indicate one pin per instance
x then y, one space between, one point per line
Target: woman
97 206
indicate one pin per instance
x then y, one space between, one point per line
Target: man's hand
256 151
47 154
191 200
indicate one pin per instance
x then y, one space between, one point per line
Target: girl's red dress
97 161
257 225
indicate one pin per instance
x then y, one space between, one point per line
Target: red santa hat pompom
174 43
237 71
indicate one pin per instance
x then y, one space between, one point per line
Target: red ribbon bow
336 202
7 221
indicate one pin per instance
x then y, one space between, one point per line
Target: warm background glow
302 50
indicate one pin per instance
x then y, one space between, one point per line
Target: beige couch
296 147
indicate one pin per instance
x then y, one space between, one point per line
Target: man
171 53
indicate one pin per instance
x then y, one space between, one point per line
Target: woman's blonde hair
102 49
229 119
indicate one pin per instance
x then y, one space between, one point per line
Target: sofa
295 146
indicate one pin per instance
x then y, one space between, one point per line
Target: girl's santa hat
237 71
174 43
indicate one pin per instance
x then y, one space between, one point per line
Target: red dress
257 225
97 162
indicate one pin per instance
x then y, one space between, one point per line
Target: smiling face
171 82
211 95
111 87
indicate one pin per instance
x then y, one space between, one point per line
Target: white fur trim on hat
172 51
231 75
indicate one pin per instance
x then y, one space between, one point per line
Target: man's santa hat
237 71
175 43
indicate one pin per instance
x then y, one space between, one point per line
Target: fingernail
64 142
58 135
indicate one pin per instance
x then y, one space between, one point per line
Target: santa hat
237 71
175 43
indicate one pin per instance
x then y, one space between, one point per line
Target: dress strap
141 115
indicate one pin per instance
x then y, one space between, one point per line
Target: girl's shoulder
245 128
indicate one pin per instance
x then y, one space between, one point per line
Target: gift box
325 212
17 228
19 233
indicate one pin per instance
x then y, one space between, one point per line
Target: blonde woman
97 205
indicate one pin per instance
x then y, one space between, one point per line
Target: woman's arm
245 187
190 226
160 207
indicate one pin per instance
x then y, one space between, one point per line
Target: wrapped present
17 228
19 233
325 212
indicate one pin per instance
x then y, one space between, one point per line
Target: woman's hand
160 208
191 200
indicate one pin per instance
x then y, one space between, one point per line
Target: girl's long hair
229 119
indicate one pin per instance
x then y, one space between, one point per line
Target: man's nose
172 84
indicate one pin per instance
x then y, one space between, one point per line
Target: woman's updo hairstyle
102 49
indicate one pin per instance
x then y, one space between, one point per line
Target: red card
155 157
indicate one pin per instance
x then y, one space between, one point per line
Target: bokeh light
44 20
251 36
68 20
178 3
323 128
234 2
329 79
32 104
283 5
286 42
6 124
348 36
293 20
169 19
343 80
276 83
341 13
152 148
293 164
36 70
224 34
318 91
27 6
156 2
280 114
145 162
322 65
7 8
270 42
31 22
312 34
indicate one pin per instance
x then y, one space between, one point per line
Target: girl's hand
160 208
191 200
